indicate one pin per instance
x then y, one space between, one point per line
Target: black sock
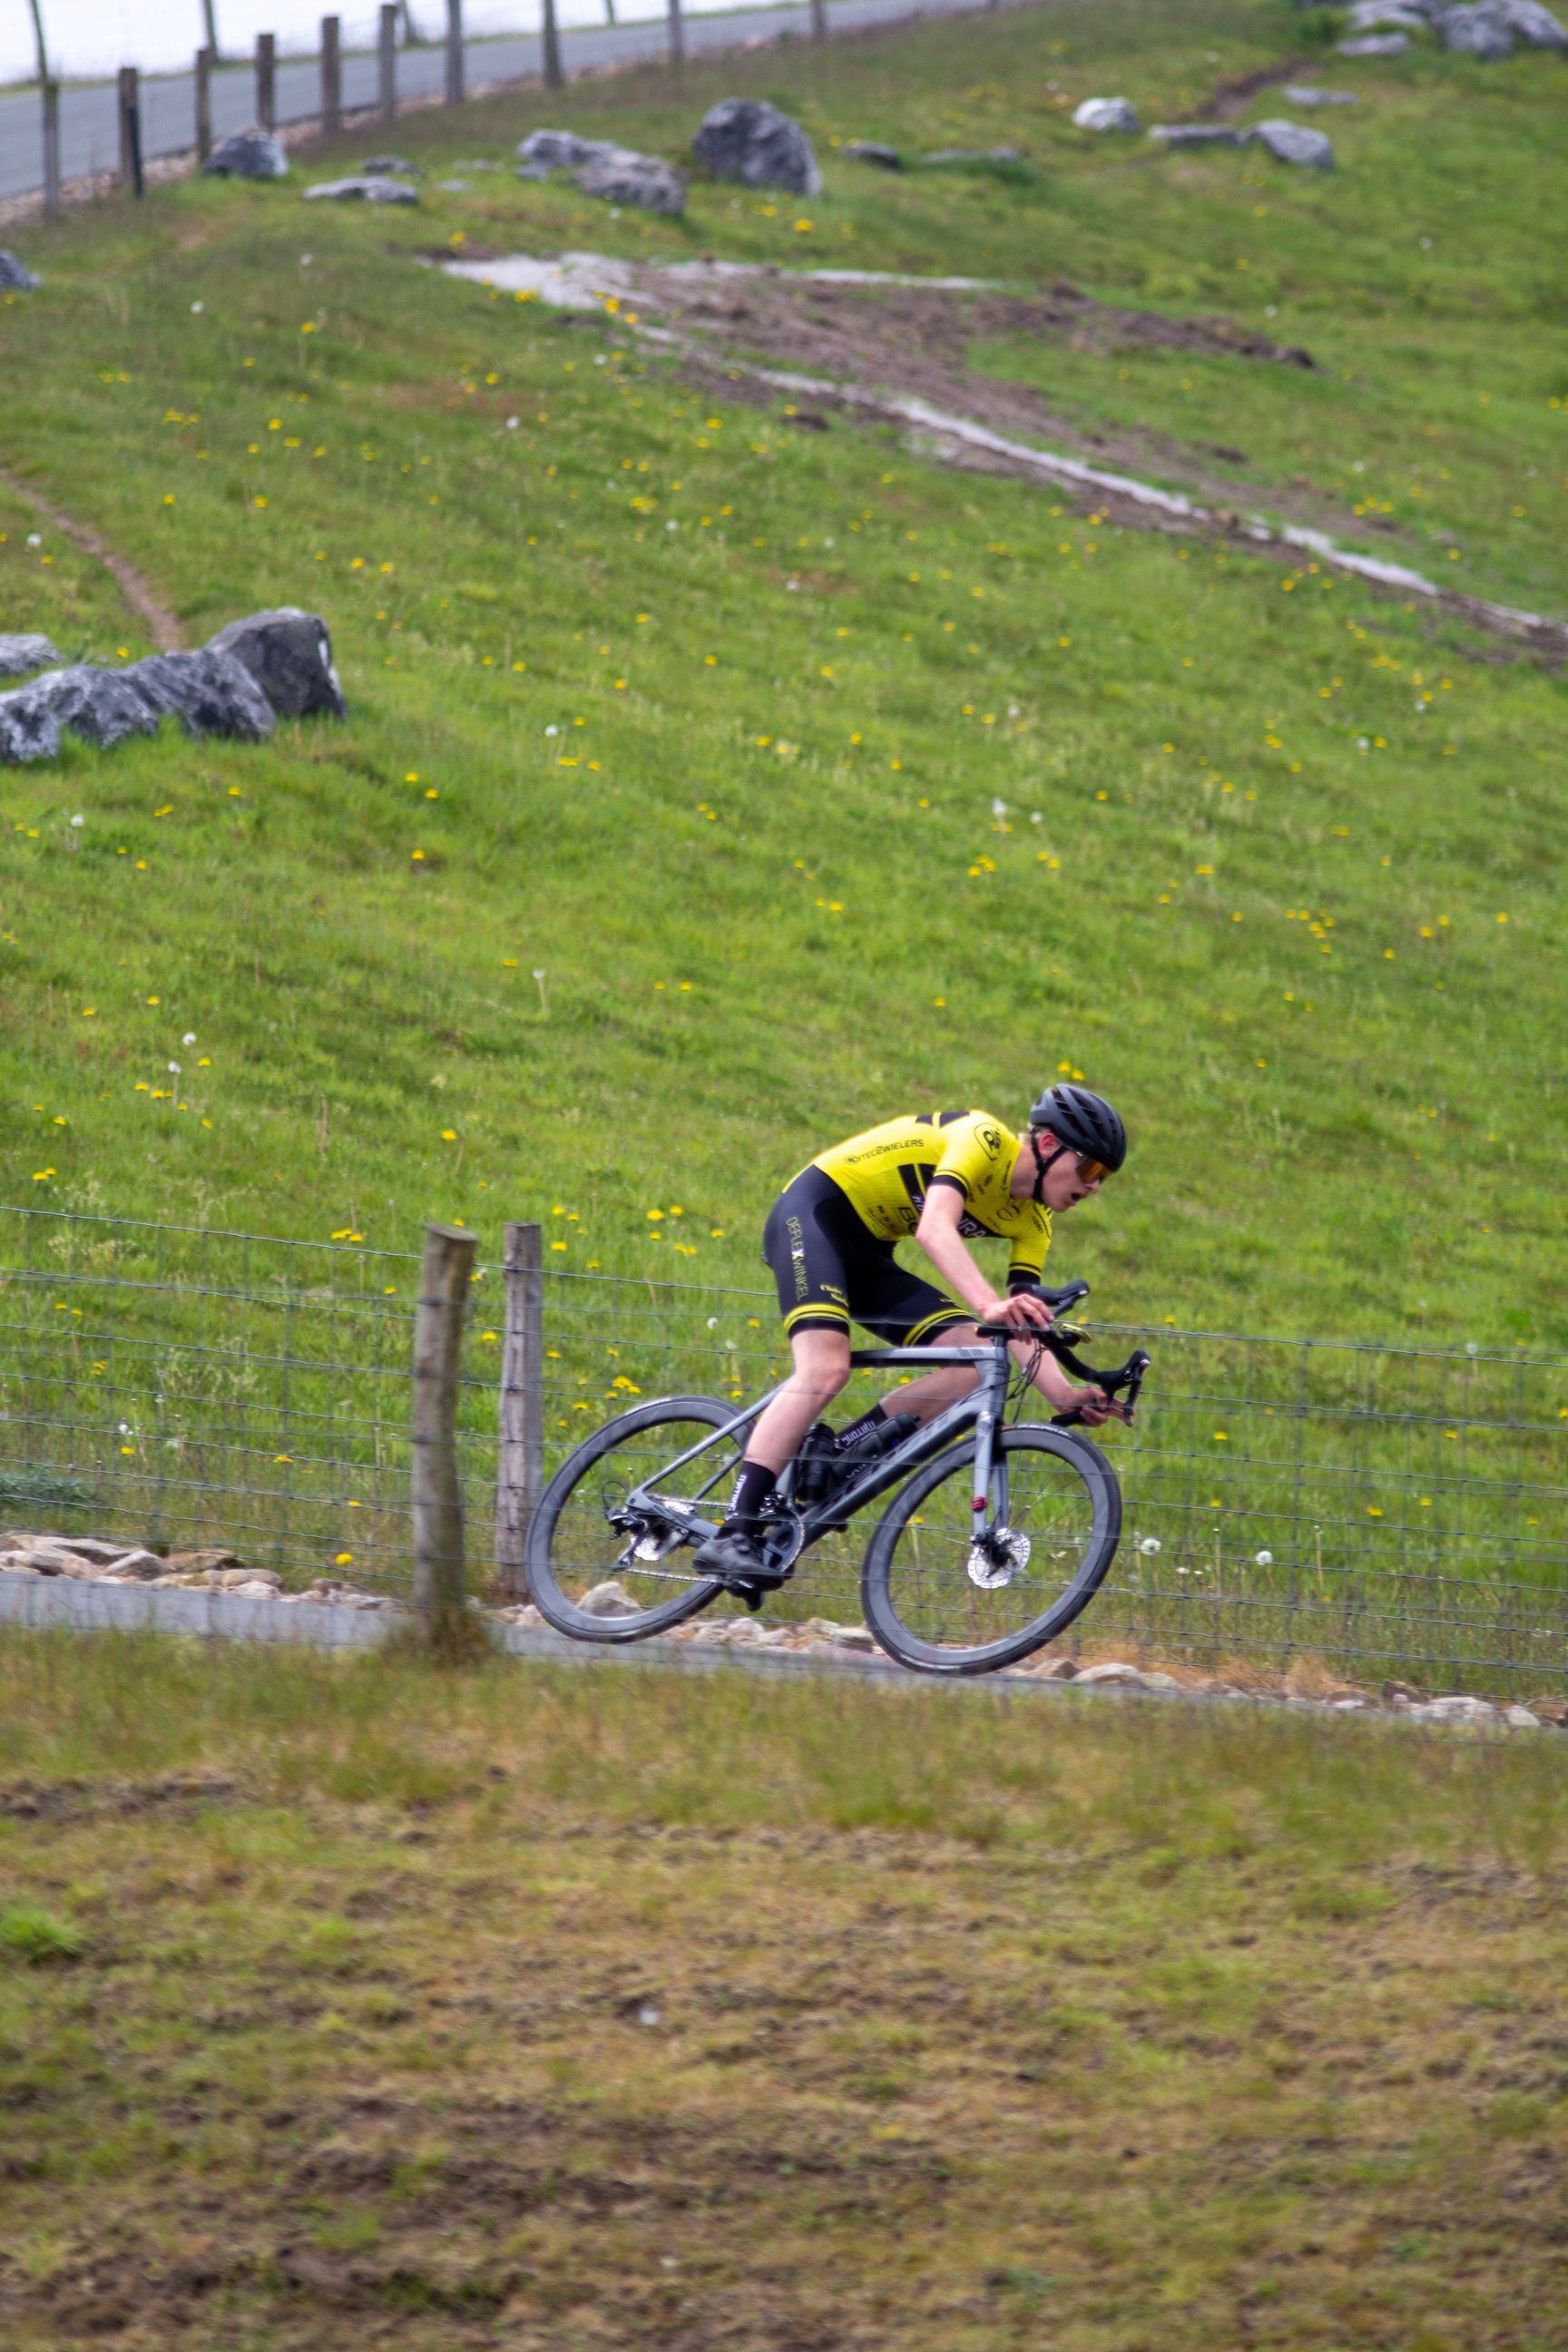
868 1421
754 1484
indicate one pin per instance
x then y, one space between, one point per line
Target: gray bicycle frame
985 1407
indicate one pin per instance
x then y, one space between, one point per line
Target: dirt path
162 625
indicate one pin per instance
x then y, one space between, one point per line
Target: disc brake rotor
998 1560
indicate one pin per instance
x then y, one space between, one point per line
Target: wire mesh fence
1387 1510
499 43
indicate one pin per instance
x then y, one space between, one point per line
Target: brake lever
1129 1375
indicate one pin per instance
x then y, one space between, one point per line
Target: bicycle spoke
594 1540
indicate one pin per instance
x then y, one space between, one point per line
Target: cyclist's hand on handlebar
1096 1408
1023 1311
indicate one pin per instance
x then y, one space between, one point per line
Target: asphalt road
90 136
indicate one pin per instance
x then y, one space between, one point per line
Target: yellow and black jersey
886 1173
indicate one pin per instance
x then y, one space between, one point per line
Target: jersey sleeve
1031 1244
972 1150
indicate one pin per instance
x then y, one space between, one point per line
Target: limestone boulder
746 139
248 156
288 653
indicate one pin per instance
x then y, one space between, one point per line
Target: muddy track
162 625
891 354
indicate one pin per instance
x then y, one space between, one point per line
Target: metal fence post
520 1469
130 107
551 48
438 1500
332 79
819 20
266 62
454 52
52 149
388 61
677 35
204 80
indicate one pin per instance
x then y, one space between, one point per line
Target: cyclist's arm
939 1236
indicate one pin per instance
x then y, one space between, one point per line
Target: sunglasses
1093 1172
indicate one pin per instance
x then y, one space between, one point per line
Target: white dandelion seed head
189 1038
77 820
1148 1545
712 1322
1471 1348
1264 1559
196 308
1035 818
35 538
512 424
672 526
999 808
553 731
174 1068
539 970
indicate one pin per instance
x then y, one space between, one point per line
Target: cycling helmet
1081 1122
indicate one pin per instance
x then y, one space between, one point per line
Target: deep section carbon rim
938 1602
581 1537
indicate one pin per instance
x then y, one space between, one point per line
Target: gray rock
747 139
1292 143
1118 1675
1479 32
1462 1709
288 653
945 155
609 1600
1198 134
379 167
1532 24
1375 45
1106 114
371 190
132 1567
210 693
853 1637
28 729
1378 17
1306 93
18 656
544 151
15 278
624 178
1522 1718
101 706
248 156
871 151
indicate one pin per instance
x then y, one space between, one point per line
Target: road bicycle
999 1533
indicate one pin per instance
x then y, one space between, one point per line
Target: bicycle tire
917 1564
566 1554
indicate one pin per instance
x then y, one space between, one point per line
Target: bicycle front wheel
583 1537
938 1602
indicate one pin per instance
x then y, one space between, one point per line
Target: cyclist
944 1176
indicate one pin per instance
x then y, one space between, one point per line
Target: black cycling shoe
736 1558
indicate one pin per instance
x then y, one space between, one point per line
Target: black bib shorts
831 1271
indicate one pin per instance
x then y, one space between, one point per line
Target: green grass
751 946
366 2004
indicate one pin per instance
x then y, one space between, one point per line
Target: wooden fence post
519 1468
388 61
438 1598
551 48
129 93
332 79
266 63
52 149
204 105
676 36
454 52
819 20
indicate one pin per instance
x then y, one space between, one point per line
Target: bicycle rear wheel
580 1535
937 1602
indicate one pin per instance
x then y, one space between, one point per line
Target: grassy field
759 866
345 2003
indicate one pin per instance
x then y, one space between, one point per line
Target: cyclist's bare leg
821 1369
